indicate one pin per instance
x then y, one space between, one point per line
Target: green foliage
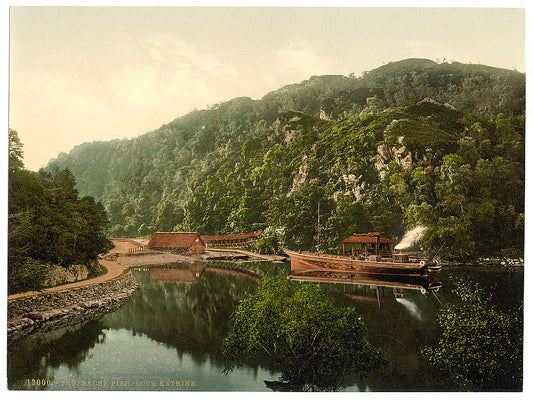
48 222
267 245
25 274
383 161
315 345
479 348
16 153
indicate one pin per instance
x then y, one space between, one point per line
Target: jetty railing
136 249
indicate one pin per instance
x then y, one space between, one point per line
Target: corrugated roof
368 238
174 239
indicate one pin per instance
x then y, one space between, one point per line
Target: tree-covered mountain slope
413 142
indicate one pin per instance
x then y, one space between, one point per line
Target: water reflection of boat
244 273
369 253
369 288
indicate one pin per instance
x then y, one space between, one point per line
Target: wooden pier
234 240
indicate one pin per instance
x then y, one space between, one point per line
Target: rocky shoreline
48 311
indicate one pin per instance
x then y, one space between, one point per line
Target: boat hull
308 262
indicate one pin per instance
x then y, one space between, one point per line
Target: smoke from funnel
410 238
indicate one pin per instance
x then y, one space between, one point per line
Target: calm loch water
167 336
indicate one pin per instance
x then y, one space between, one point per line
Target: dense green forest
48 223
411 142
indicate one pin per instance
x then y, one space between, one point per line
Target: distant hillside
412 142
476 89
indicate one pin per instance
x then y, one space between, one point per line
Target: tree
48 223
314 344
15 151
244 164
479 348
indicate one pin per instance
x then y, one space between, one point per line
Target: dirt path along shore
114 269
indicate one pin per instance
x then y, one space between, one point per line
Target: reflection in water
176 273
193 318
397 329
413 309
173 326
190 273
177 319
36 357
371 289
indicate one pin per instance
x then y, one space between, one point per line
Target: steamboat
367 253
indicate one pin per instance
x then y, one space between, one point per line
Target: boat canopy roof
368 238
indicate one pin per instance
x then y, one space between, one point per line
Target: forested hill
412 142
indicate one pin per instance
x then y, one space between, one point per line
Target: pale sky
82 74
